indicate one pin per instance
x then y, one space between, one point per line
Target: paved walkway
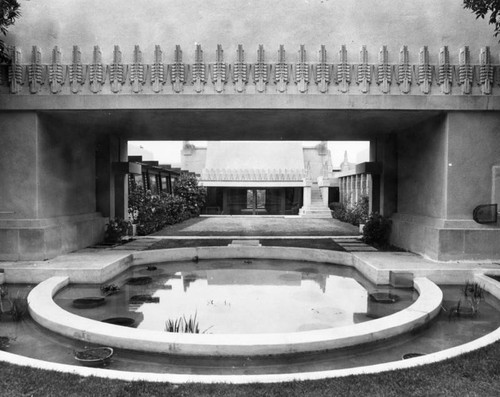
95 262
259 226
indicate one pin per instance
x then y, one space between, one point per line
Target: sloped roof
263 155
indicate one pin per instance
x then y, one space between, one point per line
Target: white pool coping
48 314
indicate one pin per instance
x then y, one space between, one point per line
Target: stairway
317 209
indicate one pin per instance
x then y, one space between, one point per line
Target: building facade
262 178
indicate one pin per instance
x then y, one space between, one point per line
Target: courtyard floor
259 226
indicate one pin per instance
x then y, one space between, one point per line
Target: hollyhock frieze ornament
178 71
35 71
302 71
322 72
240 70
219 70
157 71
261 70
364 71
56 72
76 71
16 72
343 71
445 71
424 71
137 75
281 71
97 73
198 70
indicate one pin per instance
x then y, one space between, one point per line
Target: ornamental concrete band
420 81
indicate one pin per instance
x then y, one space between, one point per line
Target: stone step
316 216
245 243
315 213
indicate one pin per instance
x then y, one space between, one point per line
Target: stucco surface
67 169
18 165
243 155
65 23
421 173
473 150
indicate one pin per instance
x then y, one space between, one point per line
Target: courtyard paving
94 260
256 226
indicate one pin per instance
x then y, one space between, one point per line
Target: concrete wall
374 23
48 203
445 171
18 165
422 155
473 150
66 165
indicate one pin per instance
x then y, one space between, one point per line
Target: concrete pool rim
49 315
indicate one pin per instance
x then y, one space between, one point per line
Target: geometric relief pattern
465 75
211 174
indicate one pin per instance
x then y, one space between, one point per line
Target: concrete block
482 244
31 241
9 241
451 242
52 241
401 279
69 237
84 233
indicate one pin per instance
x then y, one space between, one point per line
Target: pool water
240 296
31 340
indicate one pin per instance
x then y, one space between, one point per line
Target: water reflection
261 298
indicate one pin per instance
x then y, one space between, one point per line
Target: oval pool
239 296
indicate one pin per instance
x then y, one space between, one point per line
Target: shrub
377 230
153 212
115 230
194 196
354 214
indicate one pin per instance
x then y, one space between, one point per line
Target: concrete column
307 194
356 188
121 182
324 194
47 199
324 186
384 150
341 189
351 189
369 190
282 194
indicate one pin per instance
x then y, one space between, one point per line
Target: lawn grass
188 243
473 374
326 244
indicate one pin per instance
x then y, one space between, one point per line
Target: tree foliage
9 12
187 188
153 212
481 8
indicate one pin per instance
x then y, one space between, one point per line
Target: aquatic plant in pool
181 324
